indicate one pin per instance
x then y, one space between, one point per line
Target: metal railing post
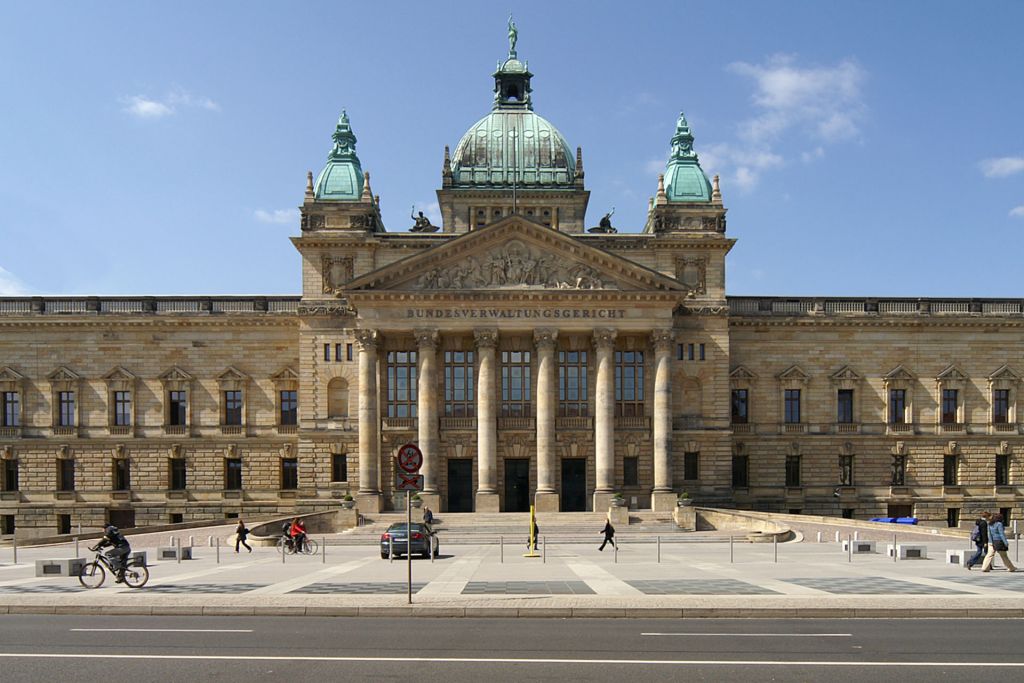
323 550
775 544
217 545
501 545
76 548
616 546
659 549
895 551
391 549
14 546
849 548
730 550
543 549
177 548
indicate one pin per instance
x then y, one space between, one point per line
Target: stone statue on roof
513 36
423 223
605 224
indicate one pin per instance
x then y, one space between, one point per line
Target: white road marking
282 587
758 635
601 581
455 578
515 660
164 630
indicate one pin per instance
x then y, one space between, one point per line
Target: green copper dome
342 177
684 179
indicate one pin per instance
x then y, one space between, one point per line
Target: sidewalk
574 580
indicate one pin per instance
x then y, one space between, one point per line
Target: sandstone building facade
534 359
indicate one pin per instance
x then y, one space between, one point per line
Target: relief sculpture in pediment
514 266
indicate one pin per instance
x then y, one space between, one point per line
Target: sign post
408 479
532 545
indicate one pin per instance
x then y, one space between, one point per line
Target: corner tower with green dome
512 161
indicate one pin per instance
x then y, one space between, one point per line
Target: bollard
837 537
1016 545
616 546
391 549
501 544
218 549
14 546
284 549
730 550
76 548
209 541
856 535
191 541
819 537
543 550
79 528
659 549
895 553
323 550
849 547
775 544
177 547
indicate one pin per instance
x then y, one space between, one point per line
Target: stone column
486 423
426 412
546 498
604 418
369 423
662 497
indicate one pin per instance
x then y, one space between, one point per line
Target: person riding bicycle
286 534
118 555
298 534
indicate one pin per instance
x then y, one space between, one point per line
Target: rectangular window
337 352
792 470
953 517
289 407
339 467
289 473
233 474
689 352
740 406
1000 406
629 383
844 406
701 352
740 471
848 513
792 401
10 472
401 383
233 407
897 406
846 470
176 518
10 411
179 474
122 474
950 467
66 475
1002 470
1005 512
63 524
348 352
66 413
327 352
630 471
572 384
515 384
949 405
177 408
8 524
691 466
459 397
679 352
122 408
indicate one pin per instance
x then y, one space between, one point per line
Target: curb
434 612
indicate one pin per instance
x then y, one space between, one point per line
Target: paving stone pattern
359 588
42 589
871 585
527 588
698 587
204 588
1009 581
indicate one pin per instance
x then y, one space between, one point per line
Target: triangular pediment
899 373
951 374
514 254
119 374
740 372
794 373
9 374
285 374
845 374
1004 373
233 374
175 374
63 374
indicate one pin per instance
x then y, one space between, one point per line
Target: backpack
976 534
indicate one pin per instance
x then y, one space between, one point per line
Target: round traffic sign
410 459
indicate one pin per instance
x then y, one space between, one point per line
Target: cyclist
298 534
118 554
286 535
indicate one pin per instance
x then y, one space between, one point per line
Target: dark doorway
460 486
517 485
122 519
574 485
900 510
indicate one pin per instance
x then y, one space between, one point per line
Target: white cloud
285 216
1002 166
813 155
10 285
739 165
1017 211
655 166
145 107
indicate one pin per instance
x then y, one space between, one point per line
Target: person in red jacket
298 534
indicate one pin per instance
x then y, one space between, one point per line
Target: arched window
337 398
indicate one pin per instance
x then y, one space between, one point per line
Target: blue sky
865 148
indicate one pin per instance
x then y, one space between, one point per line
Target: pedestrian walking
609 535
531 542
428 516
997 543
241 533
979 536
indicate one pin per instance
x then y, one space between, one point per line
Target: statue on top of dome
605 224
423 223
513 36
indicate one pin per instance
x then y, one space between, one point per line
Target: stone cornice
114 322
567 296
949 322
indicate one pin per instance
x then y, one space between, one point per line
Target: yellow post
533 534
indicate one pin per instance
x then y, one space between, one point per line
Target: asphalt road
191 649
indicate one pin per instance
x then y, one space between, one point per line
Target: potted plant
683 500
348 502
618 501
416 501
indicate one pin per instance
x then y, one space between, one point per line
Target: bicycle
93 574
286 545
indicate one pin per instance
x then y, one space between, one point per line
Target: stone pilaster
369 422
662 497
486 423
546 497
604 418
426 411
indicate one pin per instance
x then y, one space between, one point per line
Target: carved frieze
314 221
336 272
340 308
514 265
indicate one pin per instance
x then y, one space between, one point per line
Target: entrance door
517 485
574 485
460 486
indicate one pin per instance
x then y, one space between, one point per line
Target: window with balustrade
10 409
233 407
844 406
401 383
288 403
629 383
949 406
515 384
572 384
122 408
66 409
1000 406
740 406
177 408
459 387
791 397
897 413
